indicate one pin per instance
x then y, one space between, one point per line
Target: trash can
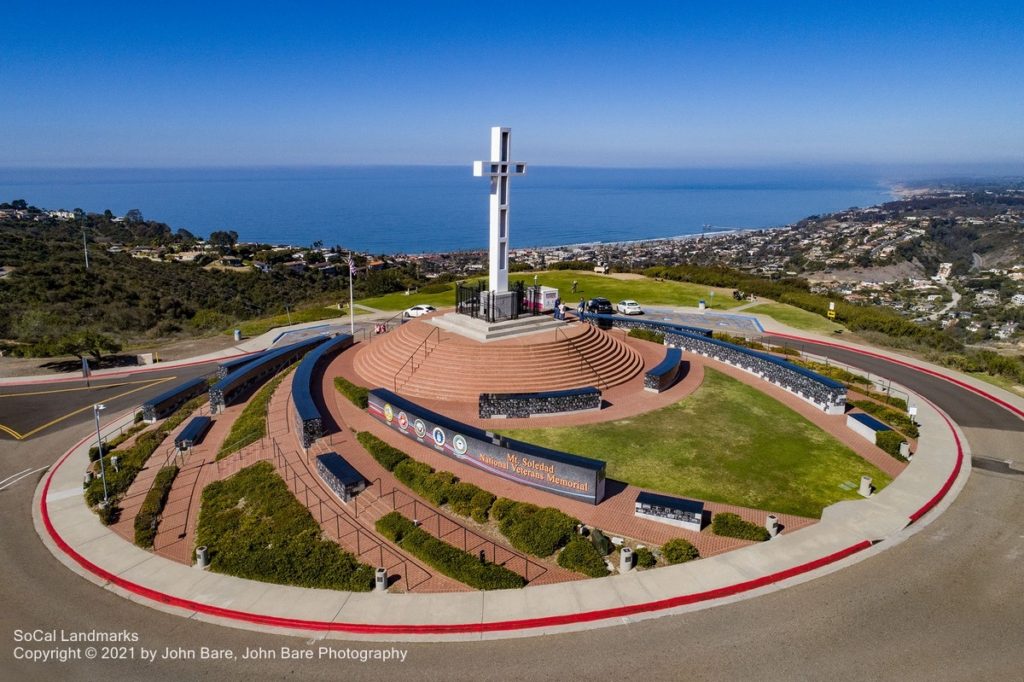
238 335
625 560
772 525
865 486
202 557
381 580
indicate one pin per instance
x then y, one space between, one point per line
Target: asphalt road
945 604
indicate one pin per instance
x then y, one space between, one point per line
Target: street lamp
99 447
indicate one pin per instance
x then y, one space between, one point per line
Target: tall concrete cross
499 168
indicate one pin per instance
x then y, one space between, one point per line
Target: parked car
601 306
419 310
629 307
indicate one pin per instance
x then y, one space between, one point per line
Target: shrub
435 486
890 441
389 457
255 528
535 530
411 473
680 550
731 525
460 497
581 556
890 416
450 560
153 506
503 507
481 505
601 542
644 557
647 335
359 396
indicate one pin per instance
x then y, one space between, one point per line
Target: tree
224 239
133 216
108 214
88 342
20 204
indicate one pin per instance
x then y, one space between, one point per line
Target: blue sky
678 84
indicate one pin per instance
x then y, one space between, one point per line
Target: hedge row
681 550
359 396
529 528
108 445
647 335
251 424
450 560
889 441
131 461
581 555
439 487
540 531
732 526
894 418
255 528
153 506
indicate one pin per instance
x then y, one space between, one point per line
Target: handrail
412 356
583 359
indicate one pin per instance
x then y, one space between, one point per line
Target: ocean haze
417 209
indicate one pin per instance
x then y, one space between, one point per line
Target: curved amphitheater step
448 366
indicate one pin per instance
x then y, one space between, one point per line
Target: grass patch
262 325
448 559
727 442
795 317
251 425
894 418
1002 382
255 528
645 290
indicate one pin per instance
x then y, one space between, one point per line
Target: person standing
574 286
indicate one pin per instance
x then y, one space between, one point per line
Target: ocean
421 209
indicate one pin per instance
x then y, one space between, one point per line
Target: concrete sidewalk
846 533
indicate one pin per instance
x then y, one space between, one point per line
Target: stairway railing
601 383
411 363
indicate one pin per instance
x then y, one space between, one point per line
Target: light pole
99 447
85 248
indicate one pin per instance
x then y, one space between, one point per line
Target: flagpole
351 311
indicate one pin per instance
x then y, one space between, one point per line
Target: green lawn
647 291
251 328
795 317
727 442
1001 382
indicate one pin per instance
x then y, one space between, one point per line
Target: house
1017 299
261 266
296 266
231 261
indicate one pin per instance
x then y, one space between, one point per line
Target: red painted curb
493 626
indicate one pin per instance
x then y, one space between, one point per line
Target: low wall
547 402
167 402
308 420
224 392
579 478
661 377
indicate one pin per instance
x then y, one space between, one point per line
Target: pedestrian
574 286
579 309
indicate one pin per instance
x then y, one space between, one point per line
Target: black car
601 306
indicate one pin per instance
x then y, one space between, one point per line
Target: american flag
351 264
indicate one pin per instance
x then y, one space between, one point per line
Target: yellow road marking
80 388
23 436
7 429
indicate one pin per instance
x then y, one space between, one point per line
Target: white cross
499 168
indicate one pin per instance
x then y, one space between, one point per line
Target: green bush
647 335
480 505
359 396
890 441
503 507
535 530
601 542
894 418
153 506
644 557
255 528
731 525
412 473
108 445
680 550
452 561
389 457
435 486
581 556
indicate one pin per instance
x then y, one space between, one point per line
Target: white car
419 310
628 307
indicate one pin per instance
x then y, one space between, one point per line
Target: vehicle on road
419 310
629 307
600 306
